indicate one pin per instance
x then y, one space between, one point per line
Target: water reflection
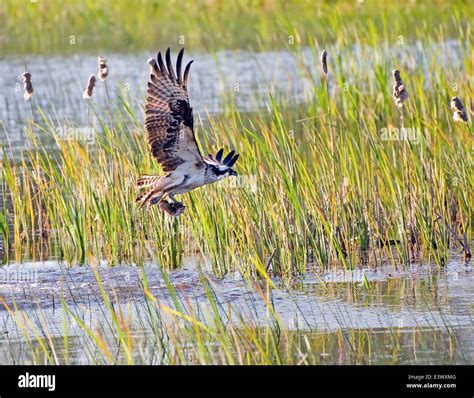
418 315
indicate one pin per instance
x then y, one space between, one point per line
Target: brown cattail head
459 111
324 63
399 93
89 88
28 86
396 76
103 69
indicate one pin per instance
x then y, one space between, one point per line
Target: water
240 76
423 313
420 314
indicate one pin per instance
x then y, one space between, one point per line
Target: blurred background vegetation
55 26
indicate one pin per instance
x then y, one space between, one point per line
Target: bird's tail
147 181
157 187
150 196
153 190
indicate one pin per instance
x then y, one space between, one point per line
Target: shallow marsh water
419 314
239 76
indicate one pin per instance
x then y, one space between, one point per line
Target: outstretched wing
169 117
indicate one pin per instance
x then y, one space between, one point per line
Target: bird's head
222 168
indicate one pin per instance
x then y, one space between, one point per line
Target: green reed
76 201
91 26
300 202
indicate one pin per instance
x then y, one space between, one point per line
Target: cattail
89 88
324 56
28 86
152 63
324 63
103 70
400 93
459 112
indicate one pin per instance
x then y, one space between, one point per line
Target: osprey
169 125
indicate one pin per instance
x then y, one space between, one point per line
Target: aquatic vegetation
347 187
168 325
89 88
459 112
26 76
103 69
77 202
90 26
400 93
349 173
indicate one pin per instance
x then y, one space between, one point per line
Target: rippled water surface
429 310
241 76
419 314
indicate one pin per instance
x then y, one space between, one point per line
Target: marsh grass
176 329
75 202
316 192
91 26
300 202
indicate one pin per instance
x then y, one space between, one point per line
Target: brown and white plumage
170 133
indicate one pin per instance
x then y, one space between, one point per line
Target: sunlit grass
297 203
320 186
77 202
91 26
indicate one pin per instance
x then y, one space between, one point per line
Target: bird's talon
173 209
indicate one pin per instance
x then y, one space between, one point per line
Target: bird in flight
169 126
